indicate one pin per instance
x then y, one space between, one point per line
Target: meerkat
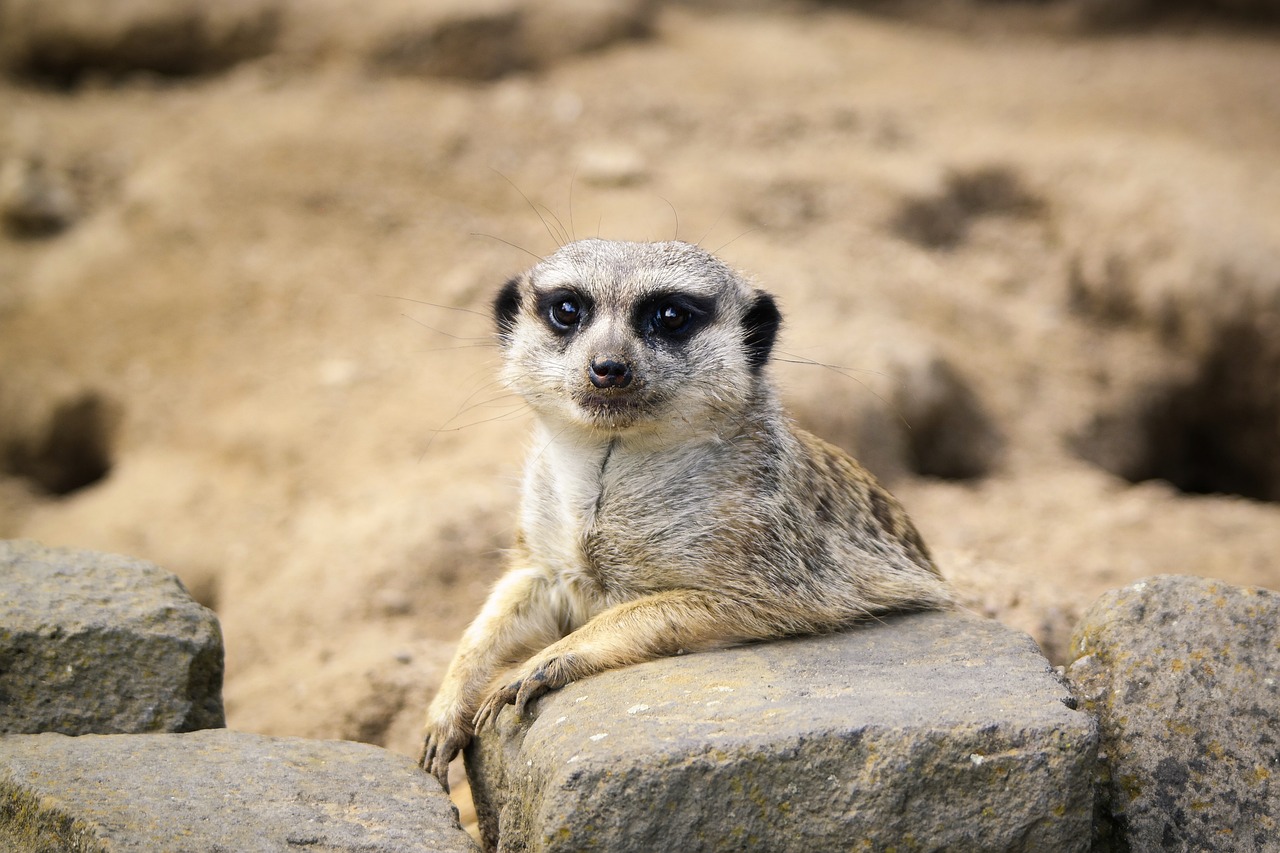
669 504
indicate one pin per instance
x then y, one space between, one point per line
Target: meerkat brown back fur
669 503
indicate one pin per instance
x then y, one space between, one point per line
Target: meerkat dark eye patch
505 308
673 316
563 310
760 329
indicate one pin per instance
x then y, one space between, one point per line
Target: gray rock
926 732
217 791
1184 676
97 643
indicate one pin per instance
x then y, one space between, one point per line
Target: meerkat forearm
657 625
517 620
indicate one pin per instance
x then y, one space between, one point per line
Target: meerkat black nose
607 372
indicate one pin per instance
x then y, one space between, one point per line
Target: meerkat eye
565 313
672 318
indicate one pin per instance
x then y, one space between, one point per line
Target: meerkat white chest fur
669 503
613 520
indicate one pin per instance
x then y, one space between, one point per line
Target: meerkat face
618 336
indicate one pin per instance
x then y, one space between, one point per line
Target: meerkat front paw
444 740
538 676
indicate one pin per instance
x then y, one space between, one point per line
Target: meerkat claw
430 746
529 689
492 707
428 762
439 747
518 693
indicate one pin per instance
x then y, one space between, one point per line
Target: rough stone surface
1184 676
926 732
97 643
217 791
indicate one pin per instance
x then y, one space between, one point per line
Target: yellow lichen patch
1131 786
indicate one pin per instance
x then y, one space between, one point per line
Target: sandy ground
1029 275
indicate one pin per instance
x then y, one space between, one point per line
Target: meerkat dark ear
759 329
505 308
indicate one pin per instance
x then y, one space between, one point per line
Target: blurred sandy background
1028 256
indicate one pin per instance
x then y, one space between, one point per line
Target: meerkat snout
609 372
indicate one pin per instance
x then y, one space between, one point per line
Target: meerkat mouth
610 404
615 410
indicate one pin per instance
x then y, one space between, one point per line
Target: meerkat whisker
712 227
434 304
724 246
561 235
470 424
572 180
515 246
847 373
675 215
558 241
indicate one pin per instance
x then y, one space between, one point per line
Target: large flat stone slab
924 732
1184 675
217 790
98 643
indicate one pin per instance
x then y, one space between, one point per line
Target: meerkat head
615 336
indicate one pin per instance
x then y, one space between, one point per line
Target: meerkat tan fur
669 503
